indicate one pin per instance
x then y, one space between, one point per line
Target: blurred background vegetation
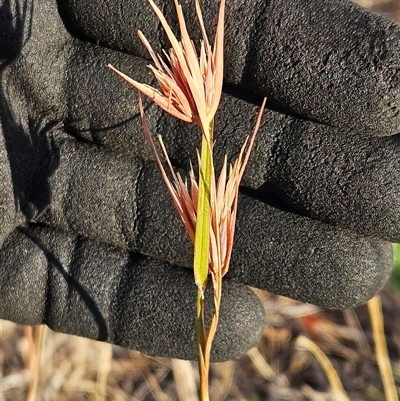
395 279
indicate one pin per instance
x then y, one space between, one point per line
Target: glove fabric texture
90 243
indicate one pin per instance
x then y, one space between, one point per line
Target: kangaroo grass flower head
223 198
190 89
191 85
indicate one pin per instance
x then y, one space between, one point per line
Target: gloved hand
91 243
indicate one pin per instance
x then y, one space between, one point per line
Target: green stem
201 253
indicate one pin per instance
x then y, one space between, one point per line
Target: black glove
91 243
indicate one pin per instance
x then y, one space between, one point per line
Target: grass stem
38 336
381 352
201 255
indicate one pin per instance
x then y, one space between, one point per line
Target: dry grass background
305 354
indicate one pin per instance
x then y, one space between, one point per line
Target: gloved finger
113 201
103 109
311 166
8 215
277 249
295 256
330 61
81 287
348 181
293 157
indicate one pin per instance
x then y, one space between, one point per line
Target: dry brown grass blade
381 352
153 385
185 380
30 343
361 340
38 335
261 364
105 358
333 377
221 388
311 394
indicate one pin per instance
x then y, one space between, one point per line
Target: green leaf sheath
203 224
